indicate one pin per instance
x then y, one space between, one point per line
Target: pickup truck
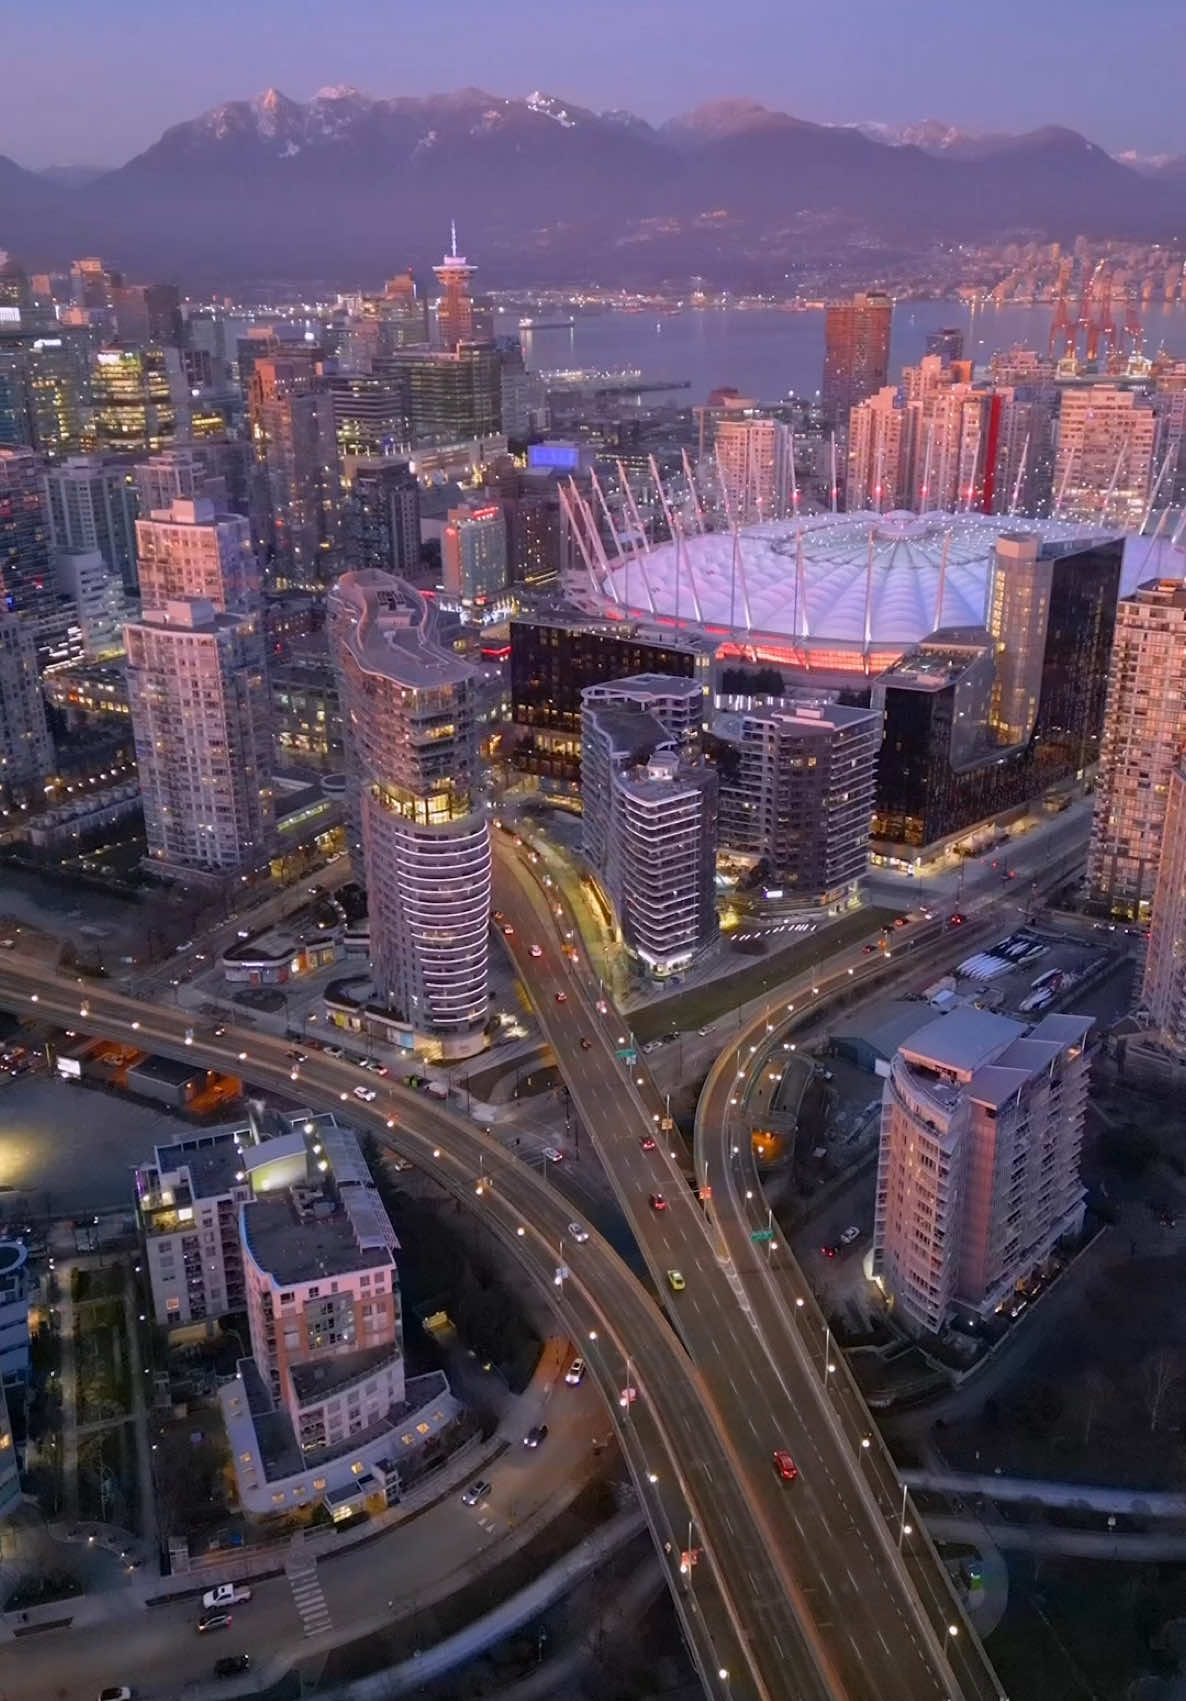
226 1595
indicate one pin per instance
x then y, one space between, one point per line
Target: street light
951 1633
866 1443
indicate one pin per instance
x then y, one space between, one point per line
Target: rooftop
293 1249
631 732
392 631
962 1041
318 1378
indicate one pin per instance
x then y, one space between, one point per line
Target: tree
1093 1389
1160 1374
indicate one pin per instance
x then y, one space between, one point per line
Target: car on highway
536 1435
578 1232
536 951
231 1665
475 1492
901 920
675 1281
658 1202
848 1235
368 1094
786 1467
647 1142
333 1051
553 1154
226 1595
868 949
955 920
116 1692
509 930
828 1251
586 1044
562 998
575 1374
220 1620
299 1056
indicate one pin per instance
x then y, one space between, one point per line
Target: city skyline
73 107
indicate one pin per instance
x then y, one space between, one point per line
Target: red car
658 1202
955 920
647 1142
786 1467
827 1252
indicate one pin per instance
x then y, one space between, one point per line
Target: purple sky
86 83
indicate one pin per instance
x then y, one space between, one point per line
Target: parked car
116 1692
553 1154
226 1595
475 1492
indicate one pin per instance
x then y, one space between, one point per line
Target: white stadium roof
856 582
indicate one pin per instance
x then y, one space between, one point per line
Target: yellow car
675 1281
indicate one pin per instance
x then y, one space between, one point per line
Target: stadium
838 593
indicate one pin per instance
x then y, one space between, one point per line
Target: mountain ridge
347 184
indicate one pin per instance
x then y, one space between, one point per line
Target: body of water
769 354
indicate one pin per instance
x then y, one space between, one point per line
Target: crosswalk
307 1591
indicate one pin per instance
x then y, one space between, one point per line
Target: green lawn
755 976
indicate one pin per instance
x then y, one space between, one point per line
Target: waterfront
769 354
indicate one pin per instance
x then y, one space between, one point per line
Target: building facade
648 825
978 1172
197 692
856 351
381 516
796 792
93 505
409 711
753 460
139 400
1163 990
1103 468
1144 738
474 553
295 481
26 564
187 549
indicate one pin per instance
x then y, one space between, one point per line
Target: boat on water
529 324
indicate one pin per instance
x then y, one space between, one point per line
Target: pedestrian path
307 1592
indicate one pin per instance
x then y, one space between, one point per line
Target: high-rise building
878 452
199 704
978 1174
368 413
381 516
44 388
1144 738
410 728
139 399
26 749
649 816
796 792
1163 991
1103 465
402 313
953 703
474 553
449 395
190 550
948 343
553 659
455 305
190 472
148 313
856 351
26 565
92 506
94 599
753 459
296 469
